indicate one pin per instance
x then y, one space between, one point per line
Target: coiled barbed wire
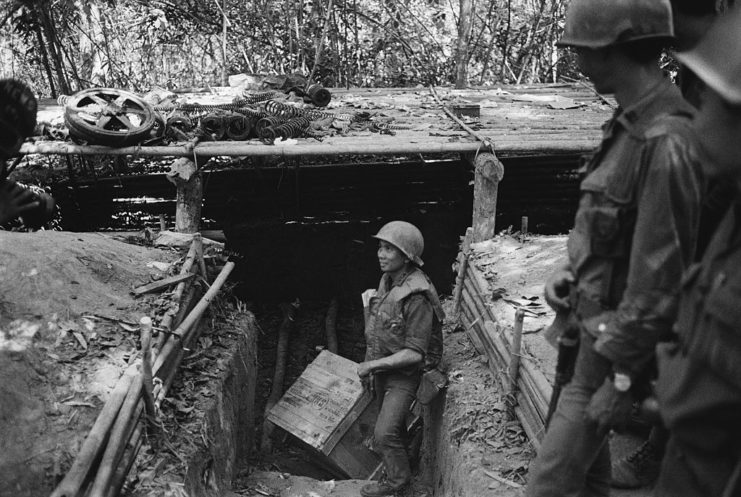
196 108
292 128
257 97
268 122
281 109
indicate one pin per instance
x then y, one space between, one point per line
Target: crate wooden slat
328 410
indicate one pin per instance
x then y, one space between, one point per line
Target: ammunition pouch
430 385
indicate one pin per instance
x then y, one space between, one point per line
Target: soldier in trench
635 233
403 339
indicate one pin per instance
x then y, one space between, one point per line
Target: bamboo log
194 315
330 325
132 449
72 483
118 439
169 319
281 355
145 324
376 147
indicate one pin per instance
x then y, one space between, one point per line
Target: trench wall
227 431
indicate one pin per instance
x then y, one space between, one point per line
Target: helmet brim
710 76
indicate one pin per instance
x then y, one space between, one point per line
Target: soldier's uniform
699 384
634 233
405 313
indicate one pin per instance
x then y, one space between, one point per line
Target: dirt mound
67 328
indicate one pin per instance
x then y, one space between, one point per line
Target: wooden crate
327 409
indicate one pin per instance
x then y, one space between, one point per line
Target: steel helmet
599 23
404 236
716 59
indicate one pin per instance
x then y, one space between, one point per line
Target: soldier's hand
364 369
609 408
14 201
557 289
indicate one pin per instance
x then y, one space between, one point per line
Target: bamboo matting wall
494 341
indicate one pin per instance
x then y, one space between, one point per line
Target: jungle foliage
62 46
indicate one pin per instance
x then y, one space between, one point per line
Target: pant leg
573 461
397 392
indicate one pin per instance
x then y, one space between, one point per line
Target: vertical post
458 293
488 173
185 176
514 360
163 223
523 225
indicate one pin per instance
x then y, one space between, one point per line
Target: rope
487 142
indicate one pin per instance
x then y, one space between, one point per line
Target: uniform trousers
573 460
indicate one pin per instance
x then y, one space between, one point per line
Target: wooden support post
185 176
515 351
523 225
458 292
488 173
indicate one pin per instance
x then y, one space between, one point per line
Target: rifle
567 331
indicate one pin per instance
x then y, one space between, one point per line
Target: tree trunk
185 176
488 173
464 33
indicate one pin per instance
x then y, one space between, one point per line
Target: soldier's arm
663 245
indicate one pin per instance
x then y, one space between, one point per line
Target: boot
639 469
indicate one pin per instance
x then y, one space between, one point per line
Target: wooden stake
523 225
515 351
458 293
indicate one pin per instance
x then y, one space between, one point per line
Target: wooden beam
160 284
488 173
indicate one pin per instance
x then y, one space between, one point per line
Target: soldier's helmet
600 23
404 236
716 59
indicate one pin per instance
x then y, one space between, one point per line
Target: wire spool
238 127
214 126
318 95
180 121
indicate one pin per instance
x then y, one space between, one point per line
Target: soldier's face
595 64
718 125
390 258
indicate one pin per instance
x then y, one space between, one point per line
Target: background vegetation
61 46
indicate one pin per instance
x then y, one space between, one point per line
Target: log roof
548 119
